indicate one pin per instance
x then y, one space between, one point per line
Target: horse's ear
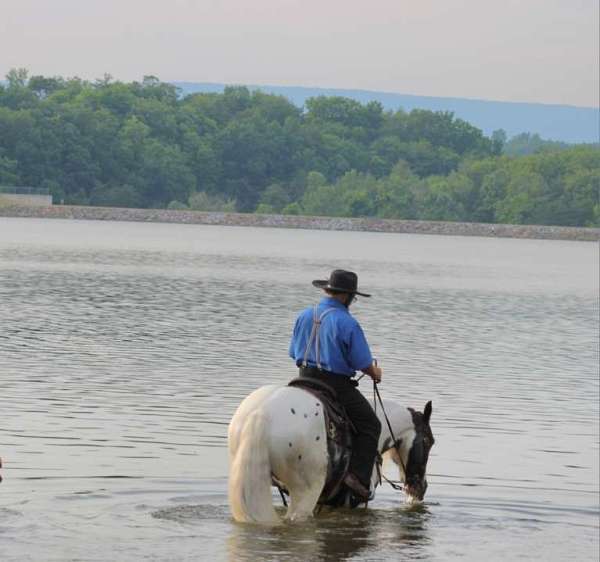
427 412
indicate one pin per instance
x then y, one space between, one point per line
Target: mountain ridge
565 123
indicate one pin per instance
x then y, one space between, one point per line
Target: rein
395 484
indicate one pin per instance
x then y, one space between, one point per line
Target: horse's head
418 455
413 456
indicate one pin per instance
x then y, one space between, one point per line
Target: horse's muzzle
415 488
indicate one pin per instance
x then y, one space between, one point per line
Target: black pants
363 417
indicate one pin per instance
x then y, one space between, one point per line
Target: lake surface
126 347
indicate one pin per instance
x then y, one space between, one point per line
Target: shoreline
72 212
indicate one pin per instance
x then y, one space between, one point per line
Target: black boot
357 487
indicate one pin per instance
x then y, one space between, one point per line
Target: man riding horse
329 345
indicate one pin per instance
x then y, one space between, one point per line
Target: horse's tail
250 474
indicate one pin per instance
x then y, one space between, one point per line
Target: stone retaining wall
313 223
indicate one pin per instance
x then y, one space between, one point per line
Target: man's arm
360 354
374 372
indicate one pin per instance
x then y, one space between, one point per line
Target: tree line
142 144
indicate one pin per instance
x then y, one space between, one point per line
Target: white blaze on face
408 438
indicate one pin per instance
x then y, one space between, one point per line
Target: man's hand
374 372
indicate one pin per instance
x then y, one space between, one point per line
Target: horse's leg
304 495
306 479
298 448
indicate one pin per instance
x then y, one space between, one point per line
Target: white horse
280 432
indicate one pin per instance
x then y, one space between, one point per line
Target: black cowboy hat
340 281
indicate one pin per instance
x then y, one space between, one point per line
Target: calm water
125 349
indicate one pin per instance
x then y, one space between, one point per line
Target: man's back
341 346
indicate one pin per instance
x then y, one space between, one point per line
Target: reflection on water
331 536
327 540
125 349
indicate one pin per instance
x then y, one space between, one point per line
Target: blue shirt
343 348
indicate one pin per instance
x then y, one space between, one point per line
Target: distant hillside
556 122
145 145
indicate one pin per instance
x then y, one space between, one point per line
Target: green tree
202 201
527 143
519 206
275 197
320 198
17 95
498 141
45 86
396 193
427 160
444 198
117 196
8 171
493 190
441 128
346 112
292 209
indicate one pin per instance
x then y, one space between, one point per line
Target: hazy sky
517 50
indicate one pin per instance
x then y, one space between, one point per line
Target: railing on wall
24 190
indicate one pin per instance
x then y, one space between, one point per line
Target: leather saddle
340 434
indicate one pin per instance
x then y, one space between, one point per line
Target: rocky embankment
315 223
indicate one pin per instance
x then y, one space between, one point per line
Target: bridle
395 484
